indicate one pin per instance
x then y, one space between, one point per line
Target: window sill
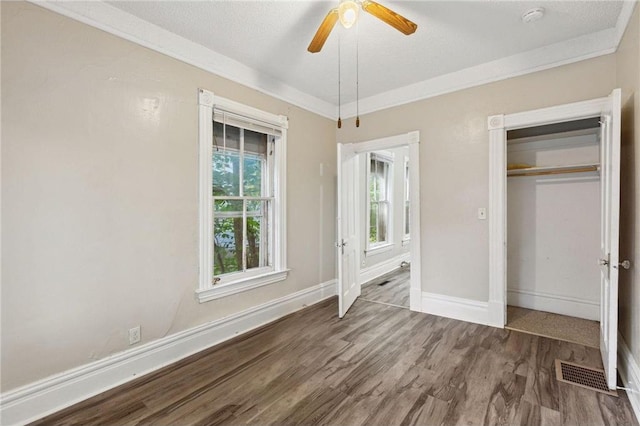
220 291
372 251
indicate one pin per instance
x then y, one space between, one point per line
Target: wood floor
394 292
380 365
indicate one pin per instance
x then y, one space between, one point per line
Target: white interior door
348 253
609 234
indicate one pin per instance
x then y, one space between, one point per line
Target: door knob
625 264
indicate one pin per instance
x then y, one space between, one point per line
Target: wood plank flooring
380 365
394 292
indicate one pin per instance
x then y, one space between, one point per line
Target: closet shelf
554 170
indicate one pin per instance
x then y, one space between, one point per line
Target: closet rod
552 171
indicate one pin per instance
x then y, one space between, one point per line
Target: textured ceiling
272 36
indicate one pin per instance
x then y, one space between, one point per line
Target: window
379 200
242 179
242 199
407 203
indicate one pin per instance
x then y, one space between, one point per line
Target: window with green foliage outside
379 202
242 199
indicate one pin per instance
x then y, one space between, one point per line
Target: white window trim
380 248
206 291
384 246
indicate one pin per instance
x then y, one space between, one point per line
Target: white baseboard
384 267
630 374
54 393
572 306
456 308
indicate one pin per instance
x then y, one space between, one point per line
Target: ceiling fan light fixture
348 13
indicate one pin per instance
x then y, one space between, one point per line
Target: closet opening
544 242
553 212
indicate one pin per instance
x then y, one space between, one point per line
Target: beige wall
454 163
628 79
99 187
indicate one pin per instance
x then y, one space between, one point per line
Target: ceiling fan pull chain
357 75
339 102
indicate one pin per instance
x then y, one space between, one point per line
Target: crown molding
551 56
623 19
103 16
122 24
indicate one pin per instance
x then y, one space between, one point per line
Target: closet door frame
498 125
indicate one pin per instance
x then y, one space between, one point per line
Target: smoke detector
533 15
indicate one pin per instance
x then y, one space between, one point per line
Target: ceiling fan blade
387 15
323 31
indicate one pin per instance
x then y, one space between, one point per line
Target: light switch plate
482 213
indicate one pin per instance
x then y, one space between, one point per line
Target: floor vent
585 377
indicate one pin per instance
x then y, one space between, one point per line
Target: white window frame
406 237
243 281
384 246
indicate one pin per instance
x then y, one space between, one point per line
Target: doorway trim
412 140
498 125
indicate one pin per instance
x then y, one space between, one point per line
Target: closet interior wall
553 223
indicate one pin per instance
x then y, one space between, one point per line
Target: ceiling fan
347 13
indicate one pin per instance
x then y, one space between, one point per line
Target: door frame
498 125
412 140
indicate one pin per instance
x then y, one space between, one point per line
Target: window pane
377 183
227 236
225 140
255 159
373 196
406 182
406 197
226 173
406 218
253 170
257 237
373 223
383 171
255 143
383 219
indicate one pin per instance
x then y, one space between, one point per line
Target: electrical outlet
482 213
134 335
